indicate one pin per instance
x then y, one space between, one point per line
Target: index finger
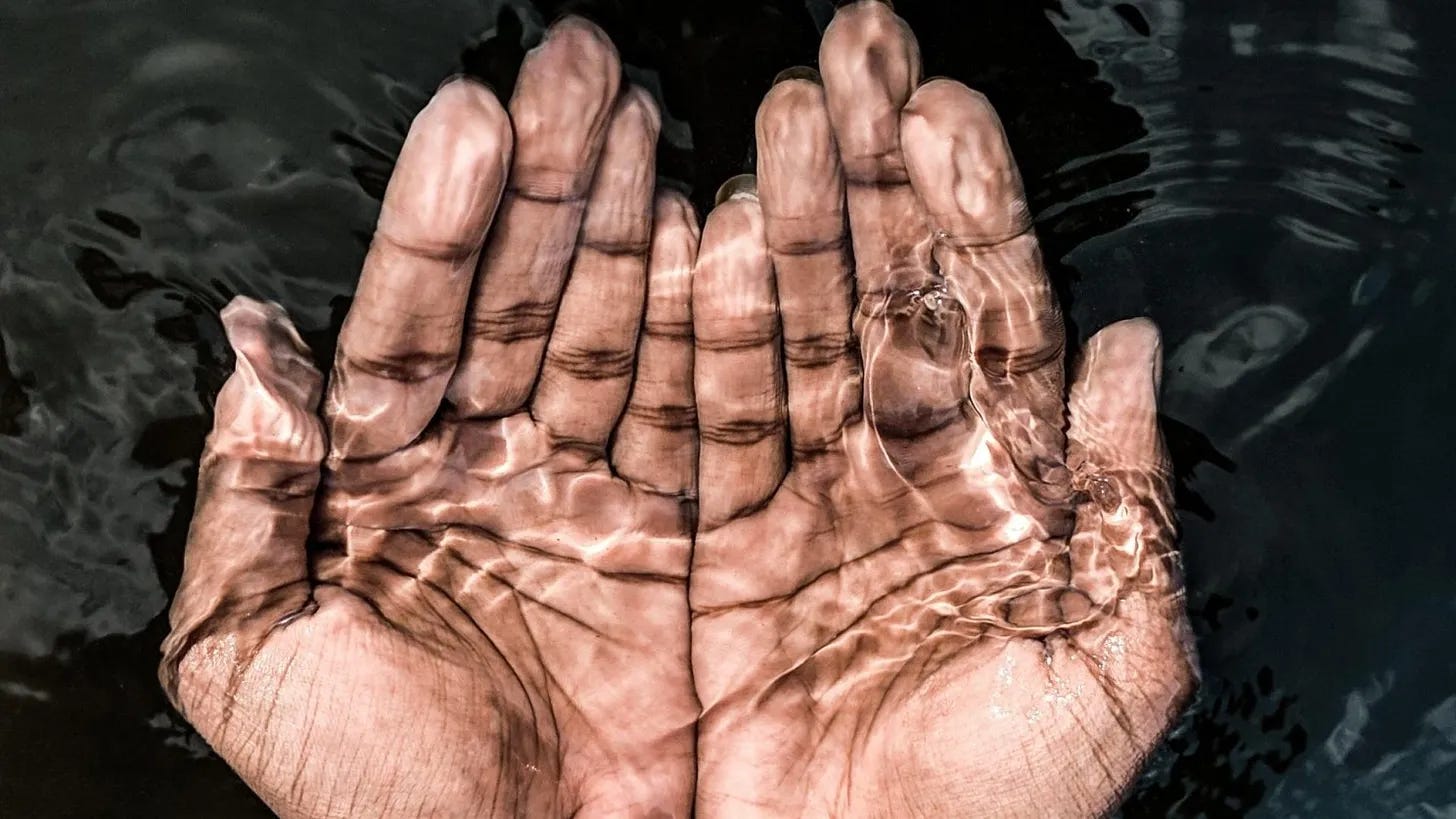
401 339
871 65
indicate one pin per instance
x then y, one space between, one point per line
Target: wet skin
925 577
493 621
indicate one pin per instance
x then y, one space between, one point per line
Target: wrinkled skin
934 605
928 578
493 621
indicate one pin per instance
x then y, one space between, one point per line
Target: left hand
935 605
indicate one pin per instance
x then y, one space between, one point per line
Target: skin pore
601 514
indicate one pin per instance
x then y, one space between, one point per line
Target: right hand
495 621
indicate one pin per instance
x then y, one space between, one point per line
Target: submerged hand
493 621
935 604
911 594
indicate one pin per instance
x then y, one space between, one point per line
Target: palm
923 646
492 619
355 709
539 574
934 605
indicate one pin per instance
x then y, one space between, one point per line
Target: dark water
1268 180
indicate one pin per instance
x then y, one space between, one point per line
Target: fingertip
244 304
799 72
944 104
244 320
625 177
631 140
789 105
475 111
732 283
578 44
870 61
675 235
861 17
263 329
468 89
1114 400
670 204
578 33
960 163
1127 351
573 75
266 408
565 94
1139 331
451 171
736 224
1140 328
582 42
641 103
801 180
943 89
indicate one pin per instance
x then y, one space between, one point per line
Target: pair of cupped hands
603 515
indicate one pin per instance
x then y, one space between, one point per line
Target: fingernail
745 184
929 80
799 72
843 3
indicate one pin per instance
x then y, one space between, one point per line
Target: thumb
1125 523
1122 547
245 570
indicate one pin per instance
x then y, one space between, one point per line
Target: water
1265 180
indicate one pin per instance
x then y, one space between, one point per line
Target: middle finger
562 104
871 65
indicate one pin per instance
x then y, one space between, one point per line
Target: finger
656 442
736 373
589 359
1113 402
562 104
962 169
401 339
1125 525
245 570
801 186
871 64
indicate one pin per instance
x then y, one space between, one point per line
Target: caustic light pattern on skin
790 516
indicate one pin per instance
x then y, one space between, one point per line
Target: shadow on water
1264 182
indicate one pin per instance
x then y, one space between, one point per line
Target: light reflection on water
1279 203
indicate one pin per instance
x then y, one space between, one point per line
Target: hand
495 620
911 595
